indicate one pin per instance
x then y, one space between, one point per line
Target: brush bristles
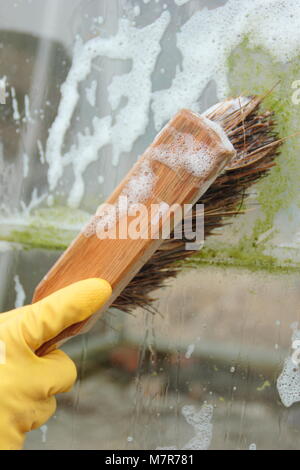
252 133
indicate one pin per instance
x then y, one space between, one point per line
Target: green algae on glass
51 228
49 238
229 257
252 70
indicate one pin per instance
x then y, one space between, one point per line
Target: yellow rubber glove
28 383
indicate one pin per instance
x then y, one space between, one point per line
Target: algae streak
51 229
258 240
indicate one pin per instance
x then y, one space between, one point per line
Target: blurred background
88 85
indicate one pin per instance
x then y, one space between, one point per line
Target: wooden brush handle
118 260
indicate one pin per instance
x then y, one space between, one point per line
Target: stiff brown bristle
252 133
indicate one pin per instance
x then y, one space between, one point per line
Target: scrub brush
252 133
243 151
176 170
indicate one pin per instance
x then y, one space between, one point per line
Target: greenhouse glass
85 86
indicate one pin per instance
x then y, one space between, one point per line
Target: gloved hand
28 383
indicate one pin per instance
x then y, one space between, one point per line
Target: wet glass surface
202 373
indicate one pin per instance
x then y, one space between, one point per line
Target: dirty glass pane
84 88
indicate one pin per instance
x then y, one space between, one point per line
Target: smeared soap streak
203 428
209 36
27 117
142 46
16 114
35 201
41 151
25 165
6 176
3 89
20 293
288 383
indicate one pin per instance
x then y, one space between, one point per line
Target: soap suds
210 35
181 2
202 426
182 151
187 152
201 422
104 220
7 174
25 165
20 293
142 46
204 41
288 383
137 190
139 187
16 114
35 201
85 153
91 93
2 90
28 117
41 151
136 10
